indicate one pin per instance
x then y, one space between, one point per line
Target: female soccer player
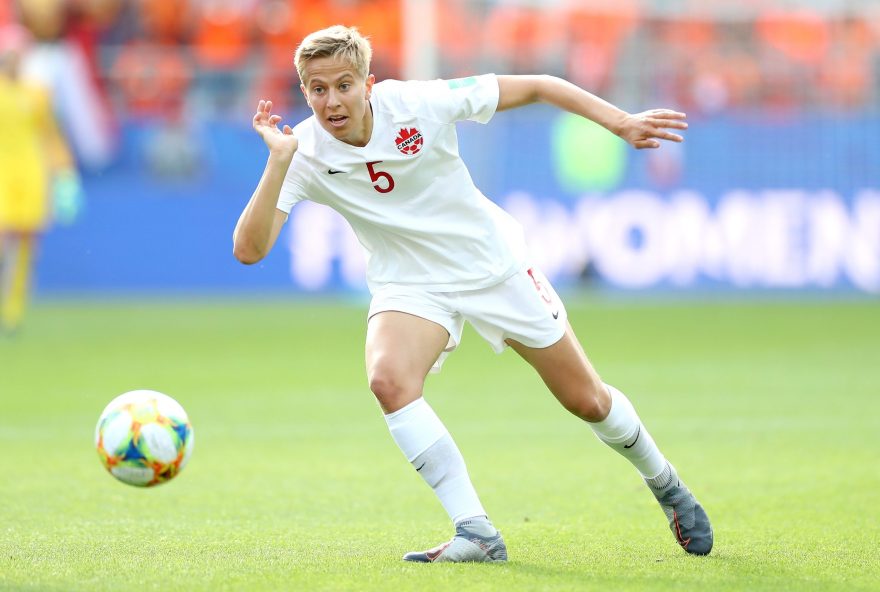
385 156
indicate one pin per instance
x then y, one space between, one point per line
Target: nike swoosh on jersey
332 172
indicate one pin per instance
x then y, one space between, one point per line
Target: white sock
623 431
427 444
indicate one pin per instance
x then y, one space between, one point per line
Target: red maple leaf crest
409 141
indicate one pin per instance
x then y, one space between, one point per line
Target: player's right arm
260 223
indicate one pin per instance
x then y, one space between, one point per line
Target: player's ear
302 87
368 84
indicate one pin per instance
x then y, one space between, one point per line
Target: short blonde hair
338 41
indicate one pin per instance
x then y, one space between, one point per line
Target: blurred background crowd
157 58
155 99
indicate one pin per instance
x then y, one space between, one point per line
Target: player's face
340 99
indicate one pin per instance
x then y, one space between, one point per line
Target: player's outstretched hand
281 142
645 129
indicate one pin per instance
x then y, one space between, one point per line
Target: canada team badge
409 141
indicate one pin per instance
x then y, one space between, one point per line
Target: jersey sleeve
293 189
474 98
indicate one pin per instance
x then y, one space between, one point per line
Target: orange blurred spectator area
159 58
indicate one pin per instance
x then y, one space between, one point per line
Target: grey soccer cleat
687 519
465 546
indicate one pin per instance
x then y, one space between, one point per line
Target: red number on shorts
542 291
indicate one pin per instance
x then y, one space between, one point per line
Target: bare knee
392 388
591 403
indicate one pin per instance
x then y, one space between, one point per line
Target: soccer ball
144 438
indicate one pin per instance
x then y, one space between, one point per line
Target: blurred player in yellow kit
38 181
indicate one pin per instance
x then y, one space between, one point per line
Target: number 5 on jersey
375 177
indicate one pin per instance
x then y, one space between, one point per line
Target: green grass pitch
770 410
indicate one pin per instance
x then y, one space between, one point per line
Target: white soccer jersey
407 194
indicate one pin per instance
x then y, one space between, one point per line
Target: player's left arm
57 151
67 192
641 130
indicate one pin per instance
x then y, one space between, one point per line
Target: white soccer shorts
524 307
